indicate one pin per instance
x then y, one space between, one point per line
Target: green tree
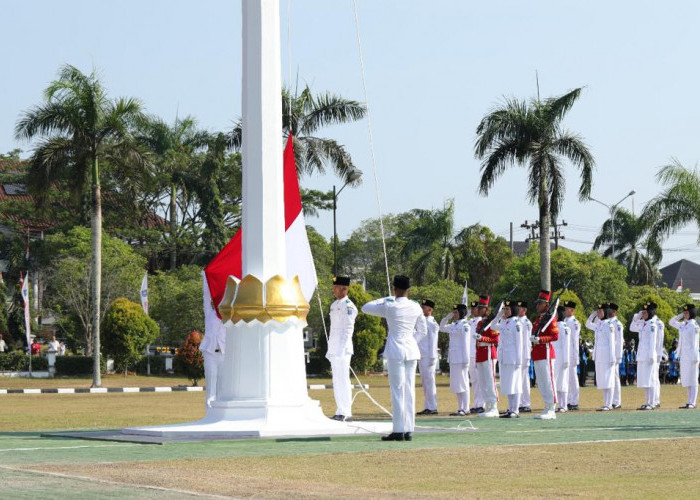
678 204
172 148
431 243
68 275
79 127
530 134
127 332
481 258
633 248
593 278
189 360
304 114
175 302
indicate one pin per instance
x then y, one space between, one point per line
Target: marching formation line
112 483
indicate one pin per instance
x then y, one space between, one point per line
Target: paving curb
112 390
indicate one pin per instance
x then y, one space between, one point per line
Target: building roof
683 270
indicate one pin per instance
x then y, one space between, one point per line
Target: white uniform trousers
476 384
617 390
427 379
525 396
545 382
402 381
212 363
657 385
485 369
342 388
573 385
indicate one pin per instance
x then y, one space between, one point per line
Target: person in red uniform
486 343
544 332
36 347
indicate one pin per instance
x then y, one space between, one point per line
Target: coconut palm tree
433 241
78 127
173 147
530 134
634 249
679 203
304 114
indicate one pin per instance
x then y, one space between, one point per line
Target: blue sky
433 69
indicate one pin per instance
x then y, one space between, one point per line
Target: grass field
624 453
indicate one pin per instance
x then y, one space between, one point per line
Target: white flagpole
144 304
27 323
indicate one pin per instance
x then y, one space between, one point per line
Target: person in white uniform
458 356
343 314
574 336
562 361
427 365
525 402
619 349
661 356
213 347
477 312
688 332
604 353
644 322
510 357
406 327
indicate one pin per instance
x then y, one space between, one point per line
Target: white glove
477 336
534 339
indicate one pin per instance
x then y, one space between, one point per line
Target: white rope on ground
371 144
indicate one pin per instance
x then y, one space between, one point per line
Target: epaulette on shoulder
389 299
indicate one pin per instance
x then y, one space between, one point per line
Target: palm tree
433 240
173 147
304 114
678 205
78 127
530 135
634 249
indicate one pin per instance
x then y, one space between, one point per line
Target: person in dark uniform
631 357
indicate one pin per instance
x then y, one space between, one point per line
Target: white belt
483 344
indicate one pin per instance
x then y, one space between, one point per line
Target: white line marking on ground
46 448
587 429
114 483
594 441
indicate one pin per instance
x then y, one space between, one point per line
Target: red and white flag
680 286
25 301
228 262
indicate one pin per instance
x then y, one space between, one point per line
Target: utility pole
532 227
511 236
557 233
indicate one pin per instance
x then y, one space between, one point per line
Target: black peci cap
427 302
402 282
341 280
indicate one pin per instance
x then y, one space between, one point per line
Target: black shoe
432 412
508 414
394 436
572 407
424 412
616 407
407 436
339 418
480 409
687 407
646 407
525 409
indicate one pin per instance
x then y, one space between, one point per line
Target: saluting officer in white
619 347
428 347
213 347
525 402
406 325
603 352
659 353
688 331
343 314
510 357
458 356
562 361
574 336
644 322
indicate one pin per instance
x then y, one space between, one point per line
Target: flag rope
371 144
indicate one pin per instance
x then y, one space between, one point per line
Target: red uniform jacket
488 341
550 334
